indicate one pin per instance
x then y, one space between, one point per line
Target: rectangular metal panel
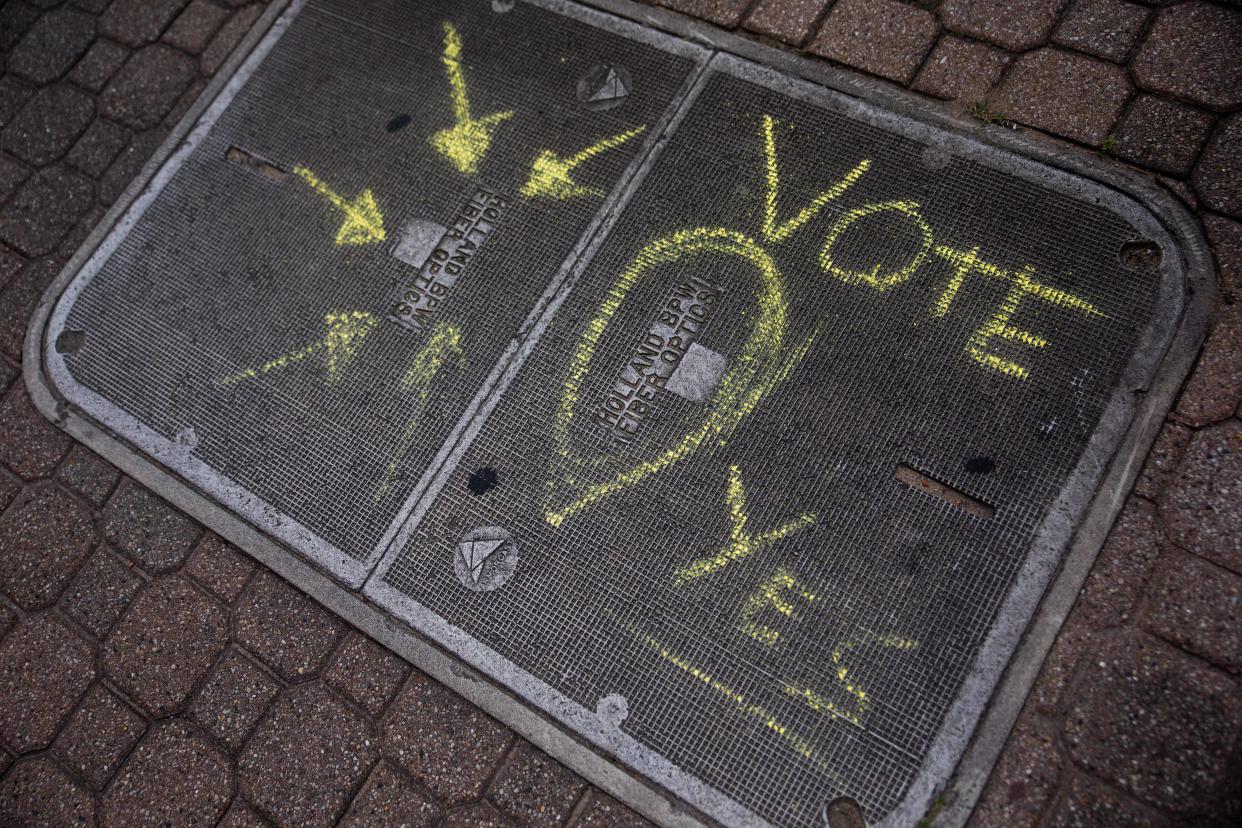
784 617
246 314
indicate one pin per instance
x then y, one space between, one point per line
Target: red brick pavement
150 673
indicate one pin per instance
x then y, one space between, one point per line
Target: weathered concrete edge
952 805
562 744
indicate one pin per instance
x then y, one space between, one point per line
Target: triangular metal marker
612 87
476 553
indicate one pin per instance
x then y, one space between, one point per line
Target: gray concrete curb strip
977 725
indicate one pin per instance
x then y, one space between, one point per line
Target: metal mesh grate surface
246 313
724 409
786 619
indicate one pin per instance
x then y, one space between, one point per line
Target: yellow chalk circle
763 364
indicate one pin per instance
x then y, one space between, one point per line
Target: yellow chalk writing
363 221
764 362
741 542
346 332
874 278
773 593
443 346
1024 284
466 142
550 174
748 708
774 232
820 703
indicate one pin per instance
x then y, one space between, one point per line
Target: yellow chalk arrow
346 332
466 142
363 221
549 175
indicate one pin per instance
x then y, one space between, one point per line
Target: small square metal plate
734 423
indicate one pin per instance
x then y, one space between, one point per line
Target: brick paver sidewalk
152 674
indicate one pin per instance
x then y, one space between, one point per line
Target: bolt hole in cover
802 395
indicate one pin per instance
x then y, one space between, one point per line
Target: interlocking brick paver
147 529
1162 135
16 19
241 816
886 37
71 242
36 793
173 777
12 174
366 672
147 86
88 474
48 124
1086 803
1122 567
476 815
99 735
534 789
129 163
306 758
52 45
164 644
195 25
14 92
136 22
19 299
1226 239
1023 781
1074 643
99 64
792 21
443 741
98 147
1014 24
1214 390
1067 94
1163 460
44 537
285 628
727 13
1104 28
1200 509
602 811
10 265
961 69
7 619
1192 53
388 798
44 669
233 699
46 208
1218 176
219 566
227 38
29 444
183 104
1157 724
100 592
1197 606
